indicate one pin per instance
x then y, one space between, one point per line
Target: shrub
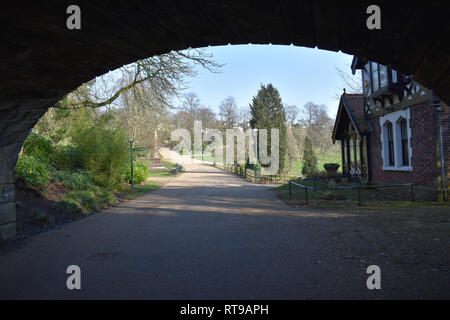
37 146
140 172
34 171
69 205
75 181
309 168
104 153
86 199
66 158
106 197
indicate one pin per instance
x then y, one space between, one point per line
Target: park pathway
206 234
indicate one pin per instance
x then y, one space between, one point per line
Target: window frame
389 126
403 123
395 119
380 88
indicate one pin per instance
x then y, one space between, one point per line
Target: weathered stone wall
17 117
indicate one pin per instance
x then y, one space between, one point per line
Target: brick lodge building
396 131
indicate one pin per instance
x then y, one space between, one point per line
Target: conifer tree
267 112
309 167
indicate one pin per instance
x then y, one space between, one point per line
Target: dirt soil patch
36 210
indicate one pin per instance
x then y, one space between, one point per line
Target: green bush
140 172
309 167
86 199
34 171
106 197
37 146
104 153
75 180
69 205
66 158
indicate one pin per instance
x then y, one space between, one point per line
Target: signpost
132 151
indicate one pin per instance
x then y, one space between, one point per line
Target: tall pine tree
267 112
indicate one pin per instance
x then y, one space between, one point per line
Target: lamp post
131 141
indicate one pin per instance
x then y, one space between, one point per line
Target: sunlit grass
328 158
141 189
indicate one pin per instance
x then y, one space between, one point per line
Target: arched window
395 140
404 136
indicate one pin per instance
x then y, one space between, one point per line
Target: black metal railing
358 187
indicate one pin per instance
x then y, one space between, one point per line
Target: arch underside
41 60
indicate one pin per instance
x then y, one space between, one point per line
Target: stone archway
41 59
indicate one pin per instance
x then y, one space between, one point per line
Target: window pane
405 150
394 76
364 149
366 80
390 134
352 149
344 151
358 153
375 84
383 76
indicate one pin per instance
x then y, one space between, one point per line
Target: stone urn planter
331 169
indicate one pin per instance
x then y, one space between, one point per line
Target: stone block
7 170
7 231
7 213
7 192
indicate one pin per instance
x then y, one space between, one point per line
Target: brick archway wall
41 60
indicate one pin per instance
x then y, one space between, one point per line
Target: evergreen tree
267 112
309 167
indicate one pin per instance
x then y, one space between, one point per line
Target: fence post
290 191
412 192
306 195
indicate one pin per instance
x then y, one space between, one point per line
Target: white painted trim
393 117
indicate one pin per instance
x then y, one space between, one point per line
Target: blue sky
300 74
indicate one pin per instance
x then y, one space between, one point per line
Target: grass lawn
160 172
328 158
142 189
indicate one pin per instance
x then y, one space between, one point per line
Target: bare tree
318 125
191 104
351 83
292 113
207 116
245 116
229 112
164 76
